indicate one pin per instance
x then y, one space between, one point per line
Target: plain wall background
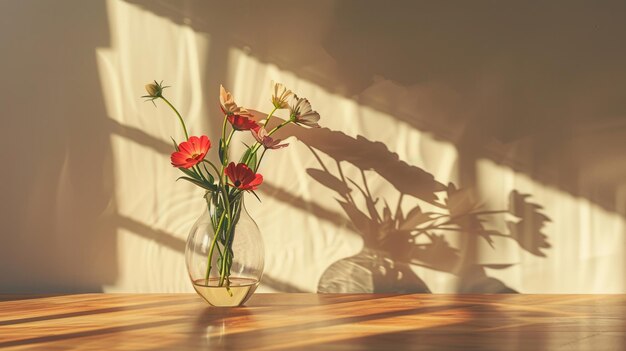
521 106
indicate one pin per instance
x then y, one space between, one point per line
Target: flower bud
153 90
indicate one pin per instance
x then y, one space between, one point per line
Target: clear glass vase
236 255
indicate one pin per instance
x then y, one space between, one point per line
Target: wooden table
314 322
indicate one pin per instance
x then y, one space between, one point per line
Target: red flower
239 117
191 152
242 177
240 122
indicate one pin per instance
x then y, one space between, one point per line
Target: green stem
224 150
213 243
257 145
278 127
227 258
212 166
228 230
182 122
223 141
230 136
267 120
199 172
258 164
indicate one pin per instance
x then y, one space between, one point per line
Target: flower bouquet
224 252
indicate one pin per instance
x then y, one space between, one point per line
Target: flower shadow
418 230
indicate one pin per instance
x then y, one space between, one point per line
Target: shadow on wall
394 240
536 86
57 181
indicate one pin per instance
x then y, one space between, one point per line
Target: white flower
280 96
302 113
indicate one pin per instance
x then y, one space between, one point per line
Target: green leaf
208 173
200 183
249 158
255 195
220 151
175 144
192 174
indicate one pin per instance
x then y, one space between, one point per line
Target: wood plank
314 322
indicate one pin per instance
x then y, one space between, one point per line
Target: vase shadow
396 237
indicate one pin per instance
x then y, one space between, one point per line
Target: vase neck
216 206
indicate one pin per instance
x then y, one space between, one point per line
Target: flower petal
230 172
205 144
258 179
310 119
180 159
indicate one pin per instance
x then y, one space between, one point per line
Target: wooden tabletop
314 322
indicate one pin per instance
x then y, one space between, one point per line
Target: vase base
236 294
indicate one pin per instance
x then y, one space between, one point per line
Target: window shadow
284 331
70 189
393 240
136 307
53 239
88 333
469 327
545 100
500 322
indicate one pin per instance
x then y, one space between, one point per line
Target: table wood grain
314 322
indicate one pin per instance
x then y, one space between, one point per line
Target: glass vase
224 253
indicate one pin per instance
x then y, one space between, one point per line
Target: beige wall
521 107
